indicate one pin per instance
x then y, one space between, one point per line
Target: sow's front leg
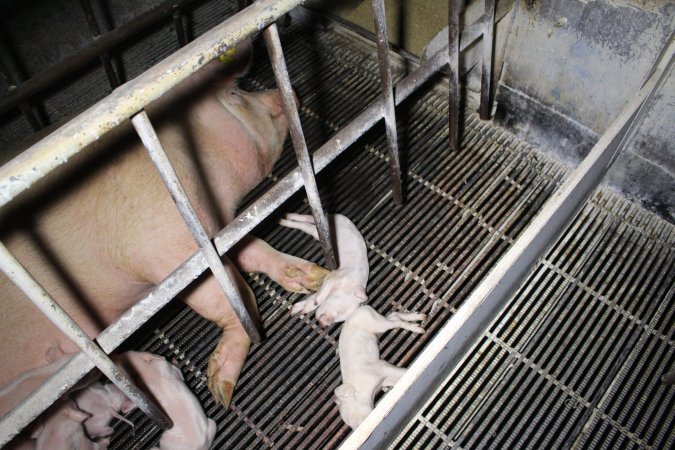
227 360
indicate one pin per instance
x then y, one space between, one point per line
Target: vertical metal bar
181 35
96 32
486 74
290 109
388 91
454 8
11 82
46 304
147 134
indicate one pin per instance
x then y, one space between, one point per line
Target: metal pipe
388 91
146 132
132 319
486 74
125 101
46 304
454 8
273 43
96 32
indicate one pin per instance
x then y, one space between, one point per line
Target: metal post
486 74
181 35
46 304
96 32
10 80
454 8
388 91
290 109
147 134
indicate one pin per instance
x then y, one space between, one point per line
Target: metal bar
442 354
486 74
132 319
141 123
273 43
181 35
96 32
46 304
454 8
65 69
10 80
128 99
388 91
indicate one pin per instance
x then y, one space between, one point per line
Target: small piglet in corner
102 403
191 430
344 289
363 372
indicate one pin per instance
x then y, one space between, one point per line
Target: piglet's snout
326 320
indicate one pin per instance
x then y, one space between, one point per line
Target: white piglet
363 372
344 289
102 403
191 430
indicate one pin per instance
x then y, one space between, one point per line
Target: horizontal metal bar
442 354
150 140
273 43
54 150
53 311
388 91
132 319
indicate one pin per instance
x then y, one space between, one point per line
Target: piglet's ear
75 414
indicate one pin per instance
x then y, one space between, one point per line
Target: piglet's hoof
220 388
302 278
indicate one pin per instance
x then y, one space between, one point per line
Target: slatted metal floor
575 360
568 338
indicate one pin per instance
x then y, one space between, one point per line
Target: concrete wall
570 68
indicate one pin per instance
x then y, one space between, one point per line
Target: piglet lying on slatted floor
191 430
73 424
344 289
339 299
363 372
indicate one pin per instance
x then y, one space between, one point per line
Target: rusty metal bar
181 35
46 304
454 8
146 132
273 43
486 74
132 319
125 101
388 91
96 32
